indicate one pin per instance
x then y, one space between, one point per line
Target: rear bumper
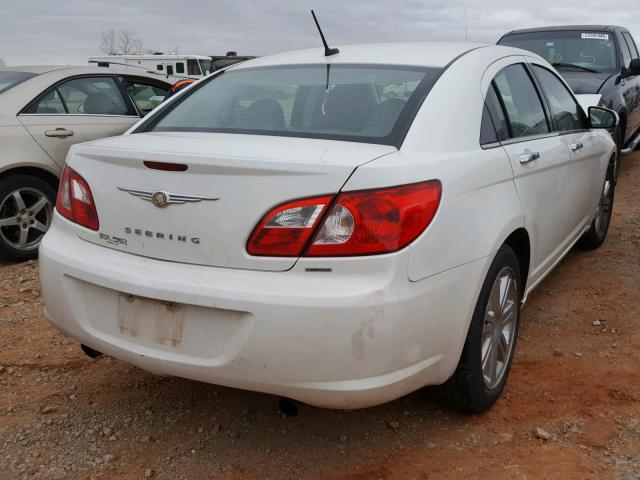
340 339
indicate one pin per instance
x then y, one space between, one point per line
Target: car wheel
26 211
491 341
618 136
597 232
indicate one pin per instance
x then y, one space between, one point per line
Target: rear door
568 119
541 165
78 110
633 83
629 87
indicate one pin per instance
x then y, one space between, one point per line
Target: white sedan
339 230
43 111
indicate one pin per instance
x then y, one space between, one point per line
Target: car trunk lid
231 181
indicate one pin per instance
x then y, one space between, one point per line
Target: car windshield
343 102
570 50
205 66
11 79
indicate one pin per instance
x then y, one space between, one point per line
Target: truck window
193 68
626 53
633 48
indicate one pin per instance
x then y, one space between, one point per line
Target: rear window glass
345 102
570 50
11 79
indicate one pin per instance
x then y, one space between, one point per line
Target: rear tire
477 383
26 211
597 232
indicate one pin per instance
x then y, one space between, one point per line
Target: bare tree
121 42
128 42
107 43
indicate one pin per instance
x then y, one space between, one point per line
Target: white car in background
286 227
43 111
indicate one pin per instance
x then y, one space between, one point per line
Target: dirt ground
571 409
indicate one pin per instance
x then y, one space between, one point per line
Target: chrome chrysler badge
162 199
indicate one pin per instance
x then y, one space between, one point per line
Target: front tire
491 340
26 211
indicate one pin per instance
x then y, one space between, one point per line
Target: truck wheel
491 341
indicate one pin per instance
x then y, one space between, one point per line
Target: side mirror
634 67
602 118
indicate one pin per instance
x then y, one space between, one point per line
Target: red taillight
376 221
75 201
364 222
286 229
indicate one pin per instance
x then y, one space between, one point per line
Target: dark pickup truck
593 59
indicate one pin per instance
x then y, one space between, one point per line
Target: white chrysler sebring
340 230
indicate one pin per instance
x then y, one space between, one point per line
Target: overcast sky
44 31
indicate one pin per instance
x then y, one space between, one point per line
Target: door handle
528 156
59 132
576 146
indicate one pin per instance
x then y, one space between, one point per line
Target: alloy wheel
498 332
25 216
603 214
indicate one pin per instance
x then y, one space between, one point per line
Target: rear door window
50 103
145 96
524 110
566 113
494 127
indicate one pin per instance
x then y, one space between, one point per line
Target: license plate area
154 320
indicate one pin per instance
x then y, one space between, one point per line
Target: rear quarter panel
479 206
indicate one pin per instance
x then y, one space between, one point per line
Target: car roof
72 70
411 54
556 28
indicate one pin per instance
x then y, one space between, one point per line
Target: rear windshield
344 102
11 79
587 51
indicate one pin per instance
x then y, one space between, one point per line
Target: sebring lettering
161 236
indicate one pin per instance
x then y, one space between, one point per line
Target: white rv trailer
172 67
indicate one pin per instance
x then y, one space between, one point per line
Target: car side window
633 48
494 127
145 96
524 110
49 103
626 52
92 96
566 113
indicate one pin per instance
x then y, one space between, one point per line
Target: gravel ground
571 409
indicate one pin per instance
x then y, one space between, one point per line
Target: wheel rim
498 333
25 216
603 214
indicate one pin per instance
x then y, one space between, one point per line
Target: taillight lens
365 222
285 230
75 201
377 221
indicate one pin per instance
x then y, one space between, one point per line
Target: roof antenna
327 51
